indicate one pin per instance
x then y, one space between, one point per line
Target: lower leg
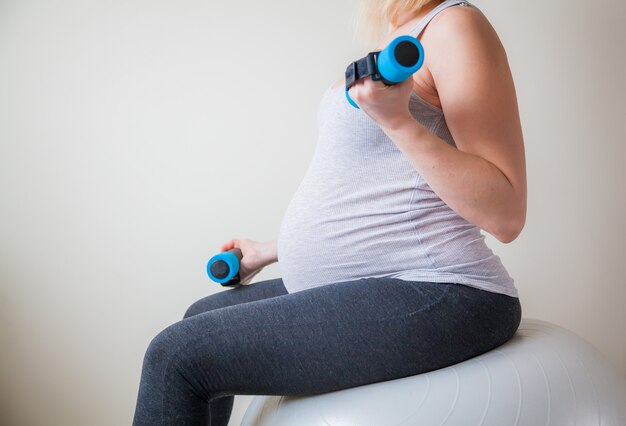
220 409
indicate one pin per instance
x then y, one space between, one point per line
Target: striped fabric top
363 210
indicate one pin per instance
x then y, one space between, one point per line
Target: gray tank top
362 209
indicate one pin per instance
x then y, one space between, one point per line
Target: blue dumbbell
394 64
224 267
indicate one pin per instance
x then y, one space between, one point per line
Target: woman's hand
255 256
386 105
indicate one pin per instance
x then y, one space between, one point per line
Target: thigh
338 336
236 295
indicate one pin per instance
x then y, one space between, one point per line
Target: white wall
134 141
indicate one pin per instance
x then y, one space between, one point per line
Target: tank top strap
417 29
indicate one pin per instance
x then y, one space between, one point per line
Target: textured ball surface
544 375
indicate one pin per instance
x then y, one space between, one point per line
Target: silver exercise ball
544 375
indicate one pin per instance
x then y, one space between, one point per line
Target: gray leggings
260 340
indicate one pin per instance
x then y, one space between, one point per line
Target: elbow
507 238
511 229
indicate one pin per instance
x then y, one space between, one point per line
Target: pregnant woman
385 271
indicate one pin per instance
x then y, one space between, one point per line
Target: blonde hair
372 18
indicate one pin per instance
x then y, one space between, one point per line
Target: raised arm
484 180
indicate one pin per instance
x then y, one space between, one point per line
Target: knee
171 362
162 348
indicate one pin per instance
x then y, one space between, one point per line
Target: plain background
137 136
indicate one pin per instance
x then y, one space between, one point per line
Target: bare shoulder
463 27
455 36
460 15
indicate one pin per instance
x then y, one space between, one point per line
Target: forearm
470 185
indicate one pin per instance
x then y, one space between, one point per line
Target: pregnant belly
317 245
